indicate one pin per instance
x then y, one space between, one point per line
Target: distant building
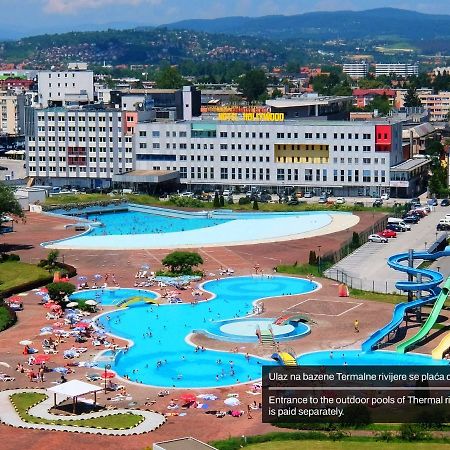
437 104
356 70
400 95
401 70
15 84
64 88
441 71
363 97
8 113
312 106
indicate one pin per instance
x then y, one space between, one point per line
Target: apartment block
356 70
401 70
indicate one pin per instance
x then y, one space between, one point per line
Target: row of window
226 173
183 146
81 117
343 176
80 129
366 148
62 171
356 160
91 150
62 159
79 139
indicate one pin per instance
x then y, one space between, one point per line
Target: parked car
419 212
323 199
340 201
359 204
445 202
432 202
377 203
443 226
377 238
293 201
394 227
387 234
411 219
385 196
308 195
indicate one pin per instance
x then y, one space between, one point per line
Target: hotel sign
252 117
244 113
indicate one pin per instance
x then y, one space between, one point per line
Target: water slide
429 283
431 320
285 358
444 345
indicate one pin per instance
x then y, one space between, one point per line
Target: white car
187 194
340 201
385 196
308 195
377 238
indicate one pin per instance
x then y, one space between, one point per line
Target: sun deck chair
50 351
6 377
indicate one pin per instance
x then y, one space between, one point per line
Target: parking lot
367 268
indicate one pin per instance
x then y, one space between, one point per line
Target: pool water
112 297
357 357
159 335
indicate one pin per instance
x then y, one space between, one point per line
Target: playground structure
419 280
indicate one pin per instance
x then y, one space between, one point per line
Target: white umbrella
90 302
4 364
232 401
72 304
26 342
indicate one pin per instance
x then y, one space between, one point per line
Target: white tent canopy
74 389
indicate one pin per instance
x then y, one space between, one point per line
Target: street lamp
107 367
426 245
318 265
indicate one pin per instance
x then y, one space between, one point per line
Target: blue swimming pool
358 357
138 227
112 297
161 356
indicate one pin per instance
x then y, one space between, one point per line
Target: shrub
385 436
356 241
57 291
244 201
8 317
412 432
9 257
222 201
356 415
185 202
255 205
230 200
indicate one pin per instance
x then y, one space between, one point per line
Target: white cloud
73 6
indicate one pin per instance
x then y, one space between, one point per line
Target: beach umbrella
97 276
188 397
26 342
45 333
145 266
15 299
41 358
71 304
83 325
90 302
82 278
232 401
44 290
107 375
60 370
42 330
55 307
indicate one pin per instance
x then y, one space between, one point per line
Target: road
367 268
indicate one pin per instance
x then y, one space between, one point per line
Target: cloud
73 6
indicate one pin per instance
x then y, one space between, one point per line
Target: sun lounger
5 377
50 351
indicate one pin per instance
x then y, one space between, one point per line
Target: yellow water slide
444 345
288 359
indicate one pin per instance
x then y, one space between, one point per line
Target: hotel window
223 134
247 173
308 174
268 174
324 135
254 173
223 173
211 172
261 174
375 176
280 174
335 135
366 160
366 148
367 136
308 135
349 175
192 172
342 175
342 135
239 173
324 175
317 174
233 173
383 176
335 175
366 176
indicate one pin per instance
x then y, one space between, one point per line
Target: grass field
377 297
346 445
15 273
24 401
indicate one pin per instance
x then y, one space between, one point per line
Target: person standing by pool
356 324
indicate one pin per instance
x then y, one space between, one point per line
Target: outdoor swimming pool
112 297
161 355
135 226
357 357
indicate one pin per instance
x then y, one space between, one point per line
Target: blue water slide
429 283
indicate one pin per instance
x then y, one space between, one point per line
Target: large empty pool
134 226
161 354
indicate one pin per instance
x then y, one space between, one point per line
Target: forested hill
141 46
370 24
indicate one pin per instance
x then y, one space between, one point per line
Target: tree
8 203
58 291
182 262
255 204
381 104
221 201
356 241
411 98
216 202
276 93
253 85
169 78
312 261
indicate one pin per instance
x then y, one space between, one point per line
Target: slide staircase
267 340
430 283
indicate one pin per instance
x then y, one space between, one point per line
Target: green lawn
5 319
24 401
303 269
377 297
15 273
144 199
345 445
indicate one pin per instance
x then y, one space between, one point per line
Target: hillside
370 24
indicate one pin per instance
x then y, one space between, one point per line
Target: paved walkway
9 416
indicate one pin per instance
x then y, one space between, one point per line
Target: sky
45 16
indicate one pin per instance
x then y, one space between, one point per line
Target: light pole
318 259
107 367
426 245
